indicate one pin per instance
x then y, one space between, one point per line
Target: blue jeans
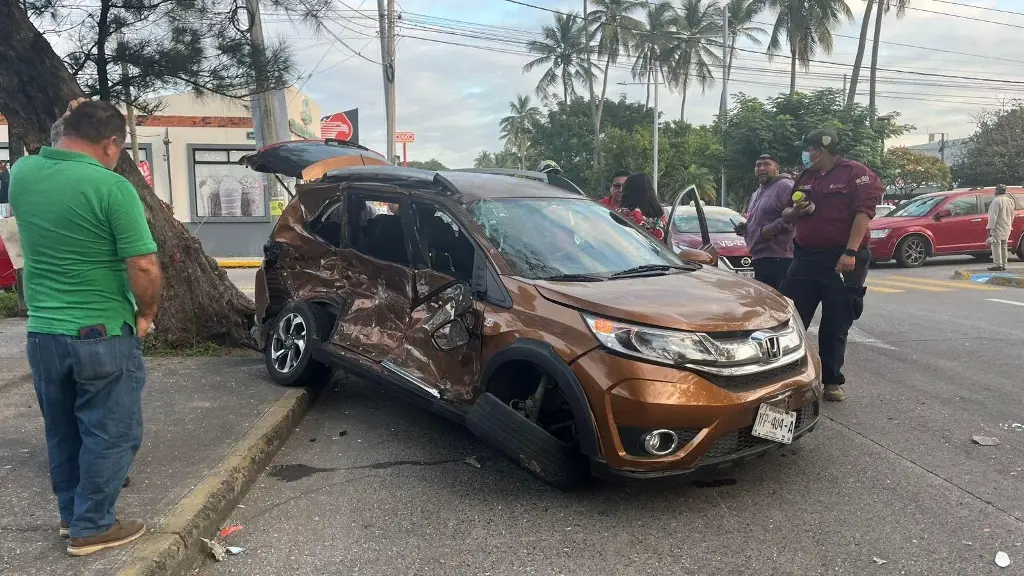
90 394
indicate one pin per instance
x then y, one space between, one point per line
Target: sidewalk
1013 277
211 426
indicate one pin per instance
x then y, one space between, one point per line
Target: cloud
452 97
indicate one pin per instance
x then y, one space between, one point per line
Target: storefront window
225 189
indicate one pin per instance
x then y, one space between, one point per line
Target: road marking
1015 303
859 336
949 283
881 289
909 285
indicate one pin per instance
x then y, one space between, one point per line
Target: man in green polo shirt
92 285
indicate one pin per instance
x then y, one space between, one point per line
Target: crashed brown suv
556 330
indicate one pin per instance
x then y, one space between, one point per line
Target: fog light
661 442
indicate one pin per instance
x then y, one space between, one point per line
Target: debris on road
966 543
879 561
1015 426
216 549
472 461
234 550
986 440
229 530
1002 559
342 433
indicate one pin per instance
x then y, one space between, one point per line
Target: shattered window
376 229
445 246
327 226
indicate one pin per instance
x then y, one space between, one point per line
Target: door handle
976 220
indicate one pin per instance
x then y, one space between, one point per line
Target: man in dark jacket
768 235
830 259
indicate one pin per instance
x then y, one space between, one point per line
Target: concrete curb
173 547
239 262
1008 280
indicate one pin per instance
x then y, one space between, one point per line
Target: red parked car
942 224
732 249
7 279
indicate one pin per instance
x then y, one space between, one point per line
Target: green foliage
8 304
501 159
911 171
995 152
432 164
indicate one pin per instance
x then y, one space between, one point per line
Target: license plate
774 424
747 273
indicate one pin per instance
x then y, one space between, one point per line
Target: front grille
758 380
737 261
737 441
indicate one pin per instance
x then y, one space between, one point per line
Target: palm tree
564 51
517 127
652 44
616 29
693 51
859 59
808 26
484 160
882 7
742 16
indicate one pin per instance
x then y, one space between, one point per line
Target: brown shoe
834 393
65 529
119 534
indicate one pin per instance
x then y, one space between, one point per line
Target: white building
192 147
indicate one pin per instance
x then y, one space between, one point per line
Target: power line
976 7
961 16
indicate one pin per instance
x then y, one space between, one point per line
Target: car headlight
696 349
880 233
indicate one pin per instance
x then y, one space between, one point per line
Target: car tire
1020 249
527 444
294 333
912 251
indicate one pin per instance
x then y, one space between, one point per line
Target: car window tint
1019 198
986 201
327 224
444 243
964 205
375 229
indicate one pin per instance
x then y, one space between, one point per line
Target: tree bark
792 69
874 59
682 107
199 303
859 59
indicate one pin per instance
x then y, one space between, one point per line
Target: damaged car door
441 350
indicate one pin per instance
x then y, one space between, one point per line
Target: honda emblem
769 345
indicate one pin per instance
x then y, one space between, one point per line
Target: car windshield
719 222
916 208
547 238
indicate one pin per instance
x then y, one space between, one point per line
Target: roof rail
553 179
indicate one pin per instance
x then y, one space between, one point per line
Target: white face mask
805 158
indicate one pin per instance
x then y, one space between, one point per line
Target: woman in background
641 205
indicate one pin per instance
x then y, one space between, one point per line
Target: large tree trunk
874 59
199 303
792 69
859 59
682 106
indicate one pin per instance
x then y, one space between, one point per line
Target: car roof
960 191
707 209
464 186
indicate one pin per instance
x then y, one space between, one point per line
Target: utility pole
942 148
385 14
723 108
128 105
844 83
654 177
264 123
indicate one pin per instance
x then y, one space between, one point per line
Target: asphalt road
889 483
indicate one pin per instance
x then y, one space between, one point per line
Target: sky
453 96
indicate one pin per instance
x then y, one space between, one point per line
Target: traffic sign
405 137
146 171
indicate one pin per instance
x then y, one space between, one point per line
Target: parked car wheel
912 251
289 347
526 443
1020 248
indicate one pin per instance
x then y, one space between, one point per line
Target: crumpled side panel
378 298
455 372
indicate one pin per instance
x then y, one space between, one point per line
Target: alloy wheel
914 251
288 343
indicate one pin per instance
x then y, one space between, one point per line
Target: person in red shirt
640 204
830 255
614 196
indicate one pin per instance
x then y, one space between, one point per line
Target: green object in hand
799 197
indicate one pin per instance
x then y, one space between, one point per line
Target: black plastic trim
544 357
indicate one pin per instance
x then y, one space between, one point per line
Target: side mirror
695 255
452 335
944 213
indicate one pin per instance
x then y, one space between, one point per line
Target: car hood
708 300
886 222
727 244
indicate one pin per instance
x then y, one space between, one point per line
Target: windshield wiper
575 278
648 268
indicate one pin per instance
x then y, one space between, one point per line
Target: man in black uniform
830 256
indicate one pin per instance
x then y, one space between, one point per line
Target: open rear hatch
310 159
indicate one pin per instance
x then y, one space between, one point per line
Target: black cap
822 138
767 156
1000 188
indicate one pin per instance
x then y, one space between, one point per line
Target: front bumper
739 264
882 249
712 416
